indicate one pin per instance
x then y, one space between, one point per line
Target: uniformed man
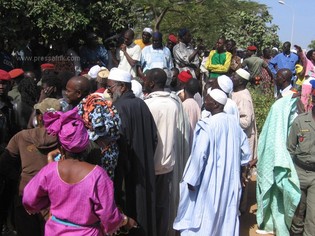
301 145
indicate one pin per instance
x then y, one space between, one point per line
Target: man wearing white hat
211 184
134 176
146 38
243 99
225 83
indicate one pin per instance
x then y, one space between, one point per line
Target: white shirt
134 52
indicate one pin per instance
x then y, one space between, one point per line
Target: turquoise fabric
278 189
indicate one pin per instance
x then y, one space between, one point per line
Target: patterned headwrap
102 120
100 117
69 128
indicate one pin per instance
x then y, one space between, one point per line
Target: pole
293 19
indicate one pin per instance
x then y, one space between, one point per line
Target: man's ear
152 84
79 93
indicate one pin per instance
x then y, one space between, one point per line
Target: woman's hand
131 223
51 155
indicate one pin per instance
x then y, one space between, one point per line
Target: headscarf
100 117
69 127
102 120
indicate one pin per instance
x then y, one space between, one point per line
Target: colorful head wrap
69 127
102 120
100 117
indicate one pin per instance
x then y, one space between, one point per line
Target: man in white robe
172 150
210 190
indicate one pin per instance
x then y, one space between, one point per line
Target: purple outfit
89 203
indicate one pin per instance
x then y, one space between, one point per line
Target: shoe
260 231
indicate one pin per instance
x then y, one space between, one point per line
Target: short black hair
158 76
192 87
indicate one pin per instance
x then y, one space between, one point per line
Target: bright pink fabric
89 201
306 97
70 129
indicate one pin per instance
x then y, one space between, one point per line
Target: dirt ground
248 225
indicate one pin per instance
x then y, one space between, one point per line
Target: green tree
240 20
56 20
312 45
252 27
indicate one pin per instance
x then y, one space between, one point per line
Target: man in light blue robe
210 190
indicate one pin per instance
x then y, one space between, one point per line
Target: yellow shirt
140 43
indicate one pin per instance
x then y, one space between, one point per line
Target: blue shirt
90 57
156 58
283 61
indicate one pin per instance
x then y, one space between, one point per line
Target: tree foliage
312 45
56 20
251 28
244 21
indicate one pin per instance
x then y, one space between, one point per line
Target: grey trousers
304 219
163 185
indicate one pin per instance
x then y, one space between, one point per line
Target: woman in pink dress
80 195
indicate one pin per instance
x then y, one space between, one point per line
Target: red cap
185 76
47 66
4 75
252 48
16 73
172 38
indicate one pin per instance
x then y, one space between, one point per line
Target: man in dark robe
134 177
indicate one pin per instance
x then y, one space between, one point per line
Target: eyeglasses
110 87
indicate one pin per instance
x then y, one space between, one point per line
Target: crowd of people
138 137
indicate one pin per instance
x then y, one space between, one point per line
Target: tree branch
160 18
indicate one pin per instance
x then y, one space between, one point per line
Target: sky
304 18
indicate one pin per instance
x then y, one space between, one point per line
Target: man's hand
244 179
298 48
123 47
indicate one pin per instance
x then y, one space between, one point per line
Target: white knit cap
225 83
94 71
217 95
148 30
119 75
243 73
136 88
276 49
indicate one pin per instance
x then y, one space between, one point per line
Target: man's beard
116 96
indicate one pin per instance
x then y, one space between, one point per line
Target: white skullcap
148 30
217 95
243 73
276 49
136 87
293 50
119 75
225 83
94 71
